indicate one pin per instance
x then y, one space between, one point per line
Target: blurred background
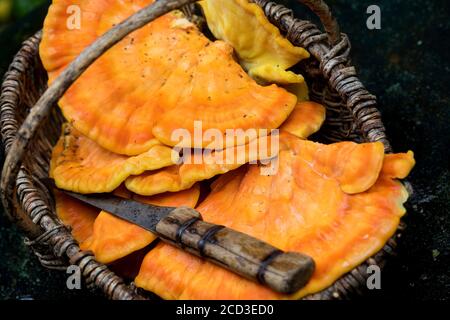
406 64
11 10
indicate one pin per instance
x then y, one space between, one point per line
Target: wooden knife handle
284 272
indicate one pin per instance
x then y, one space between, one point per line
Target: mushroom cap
114 238
302 208
162 77
259 45
354 166
79 164
109 237
398 165
76 214
198 165
300 90
305 120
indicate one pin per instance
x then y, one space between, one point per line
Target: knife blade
284 272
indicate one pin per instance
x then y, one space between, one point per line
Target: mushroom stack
338 203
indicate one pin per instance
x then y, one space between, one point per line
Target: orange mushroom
78 164
305 120
198 165
112 238
159 79
302 208
398 165
74 213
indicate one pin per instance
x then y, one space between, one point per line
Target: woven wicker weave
28 139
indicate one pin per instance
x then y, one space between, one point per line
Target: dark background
406 64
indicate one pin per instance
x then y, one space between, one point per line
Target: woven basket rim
34 201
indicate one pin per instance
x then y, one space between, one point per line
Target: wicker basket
31 123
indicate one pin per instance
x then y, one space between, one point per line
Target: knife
284 272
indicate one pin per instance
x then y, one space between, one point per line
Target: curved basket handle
329 22
53 94
321 10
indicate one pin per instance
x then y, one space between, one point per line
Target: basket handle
321 10
329 22
53 94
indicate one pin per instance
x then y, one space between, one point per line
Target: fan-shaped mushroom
199 165
260 47
113 238
159 79
109 237
79 164
302 208
305 120
74 213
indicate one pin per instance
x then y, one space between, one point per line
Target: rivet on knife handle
284 272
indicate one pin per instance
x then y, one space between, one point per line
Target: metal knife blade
144 215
